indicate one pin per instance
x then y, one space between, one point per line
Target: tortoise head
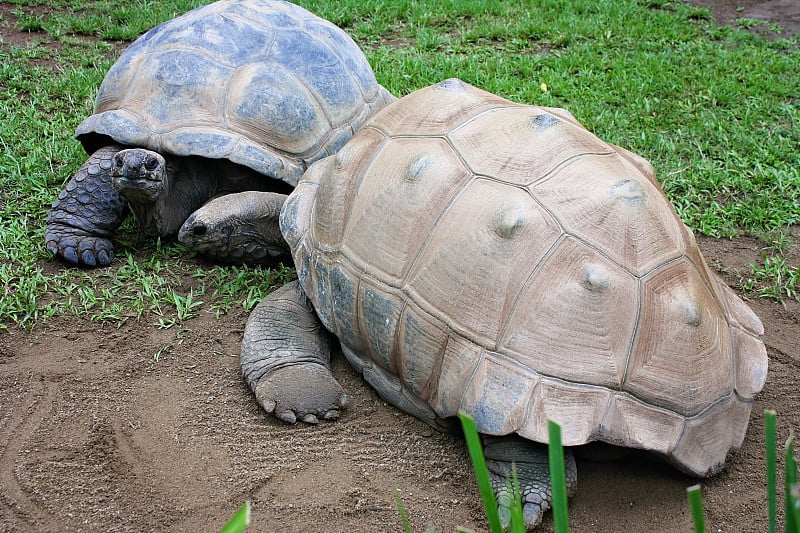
145 179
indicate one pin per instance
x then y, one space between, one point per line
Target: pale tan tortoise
474 254
232 96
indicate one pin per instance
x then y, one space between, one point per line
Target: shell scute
597 199
404 191
420 333
522 148
634 423
682 356
486 266
575 322
575 406
498 377
379 314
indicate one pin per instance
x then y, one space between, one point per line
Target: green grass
715 109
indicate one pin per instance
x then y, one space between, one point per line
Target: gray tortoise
474 254
237 95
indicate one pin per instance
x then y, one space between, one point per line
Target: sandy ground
97 436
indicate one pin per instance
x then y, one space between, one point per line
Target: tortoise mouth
139 190
138 175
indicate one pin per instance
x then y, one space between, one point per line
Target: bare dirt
95 435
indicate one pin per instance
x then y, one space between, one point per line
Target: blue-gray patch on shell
343 296
543 122
212 145
379 320
322 293
279 109
302 262
320 68
222 37
124 124
629 191
489 412
182 74
342 44
288 220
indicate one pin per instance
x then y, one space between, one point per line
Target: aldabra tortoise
475 254
237 95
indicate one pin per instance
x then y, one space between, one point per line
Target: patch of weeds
773 279
158 355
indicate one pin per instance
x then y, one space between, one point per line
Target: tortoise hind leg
87 213
530 460
285 359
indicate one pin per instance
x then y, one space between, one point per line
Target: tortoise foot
303 391
77 247
530 460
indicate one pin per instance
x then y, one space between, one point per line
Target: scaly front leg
285 359
87 213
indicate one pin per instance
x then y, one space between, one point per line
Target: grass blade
517 523
401 510
558 477
770 433
481 472
794 491
239 521
696 506
792 502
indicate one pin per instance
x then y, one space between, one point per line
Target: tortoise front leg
87 213
285 359
530 460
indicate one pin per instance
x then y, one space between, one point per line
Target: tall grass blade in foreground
696 505
792 494
239 521
770 433
481 472
557 477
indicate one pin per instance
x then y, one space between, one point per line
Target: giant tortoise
474 254
236 95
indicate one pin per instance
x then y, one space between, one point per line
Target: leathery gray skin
238 228
285 358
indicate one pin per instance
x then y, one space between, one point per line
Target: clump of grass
774 279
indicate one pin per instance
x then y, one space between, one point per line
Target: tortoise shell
481 255
265 84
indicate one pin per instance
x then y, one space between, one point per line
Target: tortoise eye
151 163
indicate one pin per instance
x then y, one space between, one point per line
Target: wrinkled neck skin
189 182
